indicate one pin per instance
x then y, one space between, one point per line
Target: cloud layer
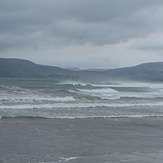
82 33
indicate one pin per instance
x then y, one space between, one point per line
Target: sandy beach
105 140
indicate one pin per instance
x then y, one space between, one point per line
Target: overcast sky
82 33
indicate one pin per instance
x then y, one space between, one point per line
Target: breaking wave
84 117
78 99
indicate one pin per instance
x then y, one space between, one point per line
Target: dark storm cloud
39 23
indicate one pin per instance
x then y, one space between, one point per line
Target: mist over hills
20 68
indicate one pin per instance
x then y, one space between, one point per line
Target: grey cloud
34 23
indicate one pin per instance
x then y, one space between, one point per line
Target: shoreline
117 158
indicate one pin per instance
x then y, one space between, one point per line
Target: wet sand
110 140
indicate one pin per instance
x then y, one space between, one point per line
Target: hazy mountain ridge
23 68
87 69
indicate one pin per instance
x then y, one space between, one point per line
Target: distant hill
20 68
24 68
89 69
147 71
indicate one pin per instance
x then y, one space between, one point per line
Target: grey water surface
50 121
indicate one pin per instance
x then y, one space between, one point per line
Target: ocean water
78 99
52 121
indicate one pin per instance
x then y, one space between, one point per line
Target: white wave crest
104 93
73 82
32 100
79 105
98 91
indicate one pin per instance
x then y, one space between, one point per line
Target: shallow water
38 140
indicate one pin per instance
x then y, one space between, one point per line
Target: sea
78 99
74 121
